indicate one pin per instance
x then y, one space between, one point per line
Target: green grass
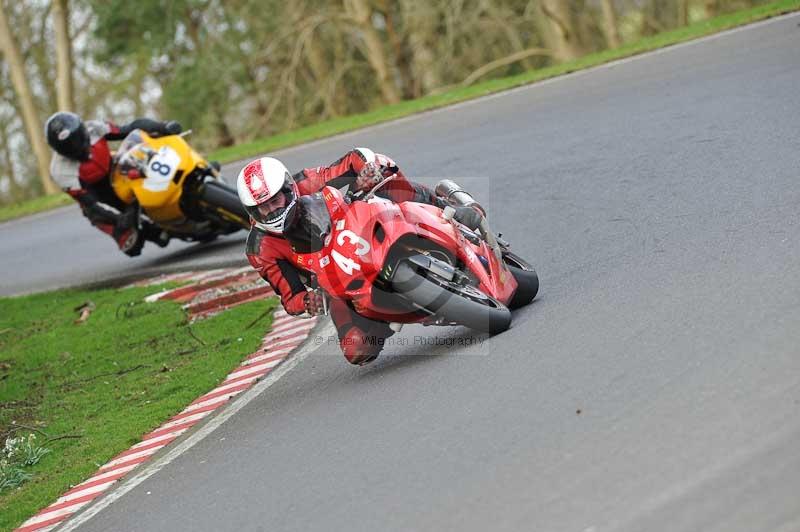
460 94
106 382
391 112
32 206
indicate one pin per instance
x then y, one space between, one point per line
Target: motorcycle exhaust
452 192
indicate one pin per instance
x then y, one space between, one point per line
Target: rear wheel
451 301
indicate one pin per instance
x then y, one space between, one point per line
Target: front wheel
527 280
451 302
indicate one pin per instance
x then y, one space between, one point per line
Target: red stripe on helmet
256 182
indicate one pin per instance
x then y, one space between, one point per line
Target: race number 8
161 168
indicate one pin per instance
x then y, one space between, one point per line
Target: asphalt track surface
653 385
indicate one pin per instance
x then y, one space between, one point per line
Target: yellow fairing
164 164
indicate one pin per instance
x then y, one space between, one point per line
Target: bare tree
15 191
610 25
396 36
683 12
360 12
420 22
711 8
22 89
503 61
64 83
559 30
658 16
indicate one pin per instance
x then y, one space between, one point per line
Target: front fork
487 236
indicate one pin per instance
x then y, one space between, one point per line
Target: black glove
172 128
468 216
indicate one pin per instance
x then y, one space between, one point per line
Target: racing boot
130 240
357 348
362 344
153 233
127 231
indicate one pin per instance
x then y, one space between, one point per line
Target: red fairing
347 267
97 167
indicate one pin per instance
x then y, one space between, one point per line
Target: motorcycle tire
452 302
527 280
221 196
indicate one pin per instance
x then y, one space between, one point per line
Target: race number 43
346 264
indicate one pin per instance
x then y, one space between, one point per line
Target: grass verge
384 114
93 388
32 206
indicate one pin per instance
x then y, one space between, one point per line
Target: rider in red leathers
81 166
268 191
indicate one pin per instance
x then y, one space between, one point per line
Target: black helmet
67 135
308 224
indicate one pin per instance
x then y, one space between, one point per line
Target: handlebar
360 195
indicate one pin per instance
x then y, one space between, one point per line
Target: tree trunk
64 84
16 68
224 135
40 55
15 191
397 41
420 23
323 77
658 16
491 9
361 13
610 25
683 12
711 7
557 22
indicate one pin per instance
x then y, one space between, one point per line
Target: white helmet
267 190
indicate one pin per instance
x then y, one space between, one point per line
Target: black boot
153 233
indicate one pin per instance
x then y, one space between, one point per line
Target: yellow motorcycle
176 188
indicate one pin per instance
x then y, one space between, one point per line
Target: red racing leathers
361 339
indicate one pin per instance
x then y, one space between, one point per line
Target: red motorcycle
409 262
